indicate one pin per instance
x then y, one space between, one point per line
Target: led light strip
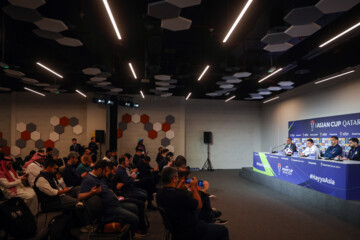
82 94
327 79
142 94
132 70
53 72
339 35
230 98
272 99
237 20
270 75
202 74
188 96
41 94
112 19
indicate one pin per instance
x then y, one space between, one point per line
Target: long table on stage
338 179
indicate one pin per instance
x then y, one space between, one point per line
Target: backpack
17 219
60 228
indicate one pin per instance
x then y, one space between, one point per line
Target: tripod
207 165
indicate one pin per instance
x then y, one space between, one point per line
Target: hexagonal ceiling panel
77 129
59 129
15 150
135 118
148 126
157 126
303 15
122 126
274 88
14 73
303 30
286 83
170 134
171 148
278 47
30 127
242 74
54 120
166 95
162 77
334 6
163 10
47 34
71 42
91 71
170 119
73 121
20 127
165 142
35 135
176 24
39 144
184 3
22 14
51 25
29 80
32 4
276 38
54 136
21 143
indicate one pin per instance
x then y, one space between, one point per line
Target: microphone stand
272 148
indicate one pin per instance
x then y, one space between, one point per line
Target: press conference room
179 119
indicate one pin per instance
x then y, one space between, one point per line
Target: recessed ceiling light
142 94
340 34
188 96
112 19
336 76
237 20
272 99
202 74
28 89
132 70
230 98
45 67
82 94
270 75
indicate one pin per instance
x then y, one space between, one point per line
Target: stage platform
345 209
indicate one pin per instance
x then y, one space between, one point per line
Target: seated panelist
290 147
311 149
334 150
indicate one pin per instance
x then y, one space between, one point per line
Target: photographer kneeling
180 207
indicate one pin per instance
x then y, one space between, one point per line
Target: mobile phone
200 183
121 198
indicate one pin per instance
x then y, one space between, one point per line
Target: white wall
235 126
336 97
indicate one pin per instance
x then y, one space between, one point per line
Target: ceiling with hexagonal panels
173 42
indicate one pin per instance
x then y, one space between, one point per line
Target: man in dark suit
289 144
75 147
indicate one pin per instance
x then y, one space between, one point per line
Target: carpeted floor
256 212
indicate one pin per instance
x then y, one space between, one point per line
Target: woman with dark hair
141 146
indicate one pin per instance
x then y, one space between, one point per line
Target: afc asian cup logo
279 168
312 125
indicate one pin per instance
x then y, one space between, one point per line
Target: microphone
275 147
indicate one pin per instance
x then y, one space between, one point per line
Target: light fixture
82 94
142 94
188 96
202 74
53 72
340 34
132 70
270 75
112 19
230 98
272 99
237 20
342 74
41 94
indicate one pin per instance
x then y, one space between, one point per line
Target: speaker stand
207 165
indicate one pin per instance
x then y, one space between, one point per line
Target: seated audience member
141 146
163 155
290 144
108 156
132 167
354 153
87 152
181 208
113 209
13 186
180 161
34 167
146 178
93 147
138 156
334 150
158 156
71 177
167 161
311 149
28 157
111 182
51 196
125 183
84 166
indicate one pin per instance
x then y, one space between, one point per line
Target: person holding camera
181 209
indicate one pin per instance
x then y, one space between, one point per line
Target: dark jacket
48 203
71 177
